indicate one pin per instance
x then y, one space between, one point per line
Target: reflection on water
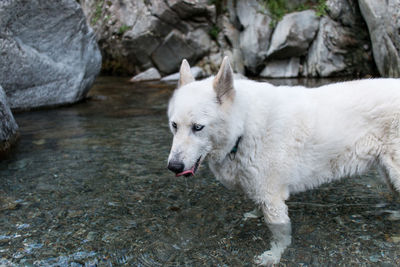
87 186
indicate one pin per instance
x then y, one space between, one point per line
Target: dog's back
325 133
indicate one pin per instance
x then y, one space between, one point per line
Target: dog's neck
232 154
227 147
226 150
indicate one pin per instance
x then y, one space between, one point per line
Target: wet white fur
293 139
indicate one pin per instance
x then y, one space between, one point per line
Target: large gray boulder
137 35
342 45
293 34
254 39
324 58
177 46
8 126
49 56
383 20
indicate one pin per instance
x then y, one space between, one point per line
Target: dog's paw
254 214
268 258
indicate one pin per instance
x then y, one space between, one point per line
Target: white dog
273 141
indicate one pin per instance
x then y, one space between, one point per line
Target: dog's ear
223 82
185 75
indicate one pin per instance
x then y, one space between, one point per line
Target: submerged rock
8 126
148 75
383 20
49 54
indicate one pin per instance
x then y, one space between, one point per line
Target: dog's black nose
176 166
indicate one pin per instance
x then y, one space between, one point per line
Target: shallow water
87 185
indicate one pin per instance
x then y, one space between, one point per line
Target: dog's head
197 116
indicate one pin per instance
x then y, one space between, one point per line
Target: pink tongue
191 171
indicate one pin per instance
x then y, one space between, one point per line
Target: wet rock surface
93 189
49 56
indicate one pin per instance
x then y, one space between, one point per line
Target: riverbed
87 185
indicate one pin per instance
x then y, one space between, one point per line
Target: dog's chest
233 173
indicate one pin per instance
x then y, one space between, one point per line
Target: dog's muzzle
178 168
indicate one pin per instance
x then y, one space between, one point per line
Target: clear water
87 185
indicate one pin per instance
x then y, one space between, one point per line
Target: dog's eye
197 127
173 124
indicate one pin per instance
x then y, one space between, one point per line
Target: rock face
293 34
383 20
326 38
254 39
8 126
49 55
323 58
342 45
137 35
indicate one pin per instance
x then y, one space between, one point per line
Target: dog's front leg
277 219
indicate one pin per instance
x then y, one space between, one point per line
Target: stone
231 12
168 56
236 59
49 56
211 63
344 11
383 20
282 68
8 126
230 32
148 75
197 73
293 34
231 47
163 12
254 39
199 9
320 60
170 53
337 51
138 35
200 40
